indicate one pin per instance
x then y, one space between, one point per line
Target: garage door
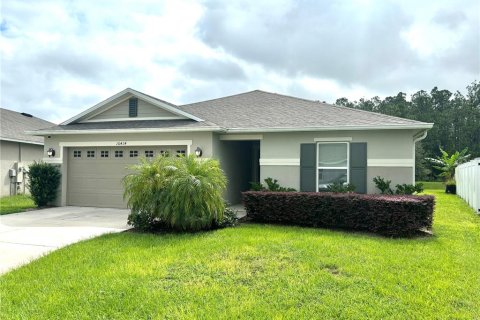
95 174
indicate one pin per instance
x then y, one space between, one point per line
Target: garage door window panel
332 164
149 153
181 153
133 153
104 154
77 153
165 153
91 154
118 153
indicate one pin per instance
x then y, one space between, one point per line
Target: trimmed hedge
392 215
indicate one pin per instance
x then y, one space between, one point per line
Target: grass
17 203
433 185
258 272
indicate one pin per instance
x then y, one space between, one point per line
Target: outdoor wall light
51 152
198 152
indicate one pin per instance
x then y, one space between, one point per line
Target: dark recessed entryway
241 162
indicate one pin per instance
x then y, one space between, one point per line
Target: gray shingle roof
260 109
138 124
13 126
256 110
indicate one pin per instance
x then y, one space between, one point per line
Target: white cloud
73 54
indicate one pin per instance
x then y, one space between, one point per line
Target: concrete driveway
29 235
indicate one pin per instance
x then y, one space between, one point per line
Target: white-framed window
104 154
77 153
118 153
333 162
133 153
148 153
90 153
181 153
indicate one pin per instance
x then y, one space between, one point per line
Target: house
18 149
304 144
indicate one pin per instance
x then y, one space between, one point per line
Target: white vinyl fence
467 176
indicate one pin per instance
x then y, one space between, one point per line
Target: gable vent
132 107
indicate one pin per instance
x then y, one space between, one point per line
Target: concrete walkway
239 209
29 235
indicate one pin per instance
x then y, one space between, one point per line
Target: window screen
332 164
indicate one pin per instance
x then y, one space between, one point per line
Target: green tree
446 163
456 119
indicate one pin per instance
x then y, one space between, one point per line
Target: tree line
456 119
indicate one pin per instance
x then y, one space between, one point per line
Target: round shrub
44 180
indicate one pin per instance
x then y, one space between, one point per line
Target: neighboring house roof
254 111
14 124
257 109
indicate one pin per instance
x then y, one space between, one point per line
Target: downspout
415 140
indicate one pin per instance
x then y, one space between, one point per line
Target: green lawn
16 203
433 185
258 272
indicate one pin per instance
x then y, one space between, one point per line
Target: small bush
44 180
383 185
388 215
409 188
256 186
339 187
229 219
271 185
146 221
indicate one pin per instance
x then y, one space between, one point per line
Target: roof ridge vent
26 114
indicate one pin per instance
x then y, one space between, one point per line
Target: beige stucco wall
390 154
199 139
11 152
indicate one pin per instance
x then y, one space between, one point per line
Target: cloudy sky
61 57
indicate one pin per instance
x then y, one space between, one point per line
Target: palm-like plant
193 198
447 163
143 189
184 193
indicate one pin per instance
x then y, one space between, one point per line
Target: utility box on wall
12 173
19 167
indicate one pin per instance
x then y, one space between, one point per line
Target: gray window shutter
308 168
358 166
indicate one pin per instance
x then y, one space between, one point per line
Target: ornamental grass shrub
181 193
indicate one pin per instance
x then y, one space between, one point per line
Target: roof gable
145 111
115 108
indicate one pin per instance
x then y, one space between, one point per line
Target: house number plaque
121 143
